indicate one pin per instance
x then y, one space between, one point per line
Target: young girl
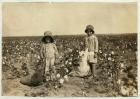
91 45
49 52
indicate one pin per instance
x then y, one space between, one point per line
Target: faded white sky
32 19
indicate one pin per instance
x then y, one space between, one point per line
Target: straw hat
47 33
89 28
48 36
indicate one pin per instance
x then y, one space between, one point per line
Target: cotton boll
24 73
58 75
28 55
109 58
133 91
66 70
113 59
66 62
83 93
122 65
47 79
61 81
60 57
112 52
70 63
66 78
70 59
62 65
55 86
119 81
105 55
77 51
38 57
4 57
20 57
3 62
124 91
37 61
100 51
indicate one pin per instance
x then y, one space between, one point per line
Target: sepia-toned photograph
69 49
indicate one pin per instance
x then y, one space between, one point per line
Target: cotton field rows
116 68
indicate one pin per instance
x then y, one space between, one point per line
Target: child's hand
86 50
95 54
56 55
57 61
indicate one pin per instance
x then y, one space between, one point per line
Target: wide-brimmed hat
47 33
47 36
89 28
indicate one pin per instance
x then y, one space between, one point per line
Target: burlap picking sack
33 79
83 68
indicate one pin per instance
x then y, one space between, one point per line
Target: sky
33 19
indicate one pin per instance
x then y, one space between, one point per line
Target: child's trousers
49 63
92 60
93 69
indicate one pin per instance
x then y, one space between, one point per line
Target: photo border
99 1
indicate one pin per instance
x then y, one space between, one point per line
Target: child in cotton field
91 45
49 52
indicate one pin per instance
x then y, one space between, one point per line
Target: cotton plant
127 86
110 57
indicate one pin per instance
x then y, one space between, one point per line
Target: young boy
49 52
91 45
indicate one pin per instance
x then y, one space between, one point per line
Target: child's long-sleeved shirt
91 43
49 50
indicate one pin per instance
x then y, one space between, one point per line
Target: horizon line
75 34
